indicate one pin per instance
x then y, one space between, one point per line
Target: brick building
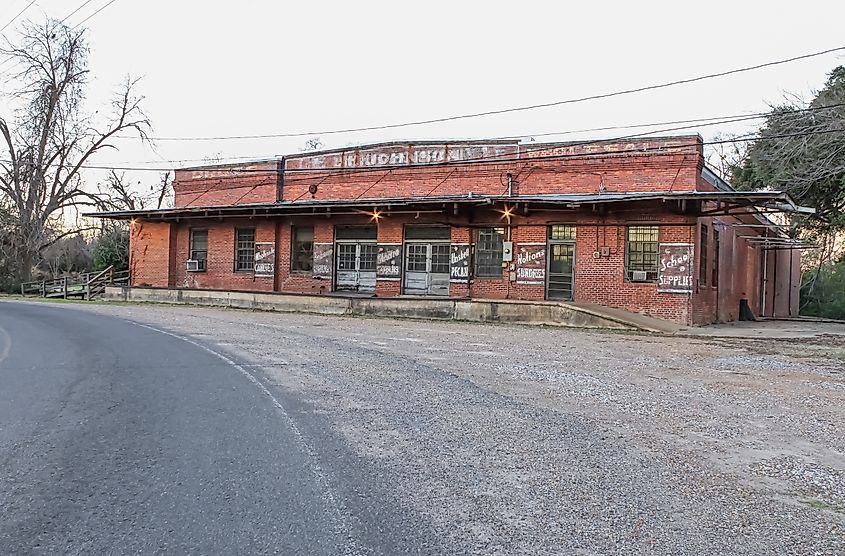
642 225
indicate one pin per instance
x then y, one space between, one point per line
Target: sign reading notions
531 263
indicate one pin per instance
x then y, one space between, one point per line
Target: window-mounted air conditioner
639 276
192 265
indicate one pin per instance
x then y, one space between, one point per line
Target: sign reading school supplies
389 262
265 259
323 253
459 263
531 263
674 272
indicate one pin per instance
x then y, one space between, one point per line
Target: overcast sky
263 67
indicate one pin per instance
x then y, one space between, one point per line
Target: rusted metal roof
709 202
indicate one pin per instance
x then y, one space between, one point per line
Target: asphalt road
147 429
119 438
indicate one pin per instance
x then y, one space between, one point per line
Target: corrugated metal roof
758 199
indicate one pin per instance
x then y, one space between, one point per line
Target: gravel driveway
523 440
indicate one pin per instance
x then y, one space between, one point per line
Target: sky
263 67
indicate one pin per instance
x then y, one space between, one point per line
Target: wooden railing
85 286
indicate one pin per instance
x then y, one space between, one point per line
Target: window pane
302 248
416 259
346 256
199 247
440 259
355 232
244 249
715 280
641 251
562 231
488 252
428 232
702 257
369 252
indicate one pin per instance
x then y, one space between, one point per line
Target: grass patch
837 353
822 505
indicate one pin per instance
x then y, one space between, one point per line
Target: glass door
561 271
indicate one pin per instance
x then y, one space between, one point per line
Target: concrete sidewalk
775 329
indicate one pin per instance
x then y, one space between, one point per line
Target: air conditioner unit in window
192 265
639 276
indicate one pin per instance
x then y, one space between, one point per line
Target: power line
68 16
511 110
95 13
663 149
698 122
16 16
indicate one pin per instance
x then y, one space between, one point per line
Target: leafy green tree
824 292
801 150
112 249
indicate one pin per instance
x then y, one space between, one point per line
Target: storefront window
641 253
488 252
244 249
715 280
199 248
702 257
302 249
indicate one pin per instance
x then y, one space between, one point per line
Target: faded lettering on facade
388 262
531 263
674 272
459 262
265 259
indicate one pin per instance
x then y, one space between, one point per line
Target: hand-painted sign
459 263
674 274
265 259
531 263
323 255
389 262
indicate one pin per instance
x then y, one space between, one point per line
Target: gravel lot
522 440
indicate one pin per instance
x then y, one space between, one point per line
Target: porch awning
689 202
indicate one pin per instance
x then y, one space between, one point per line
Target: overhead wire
95 13
16 16
696 123
503 158
513 109
68 16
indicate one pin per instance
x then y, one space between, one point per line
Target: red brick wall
220 273
739 270
663 164
227 185
150 254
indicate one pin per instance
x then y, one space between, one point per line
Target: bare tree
51 137
313 144
117 194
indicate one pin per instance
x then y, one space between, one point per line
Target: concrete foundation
524 312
